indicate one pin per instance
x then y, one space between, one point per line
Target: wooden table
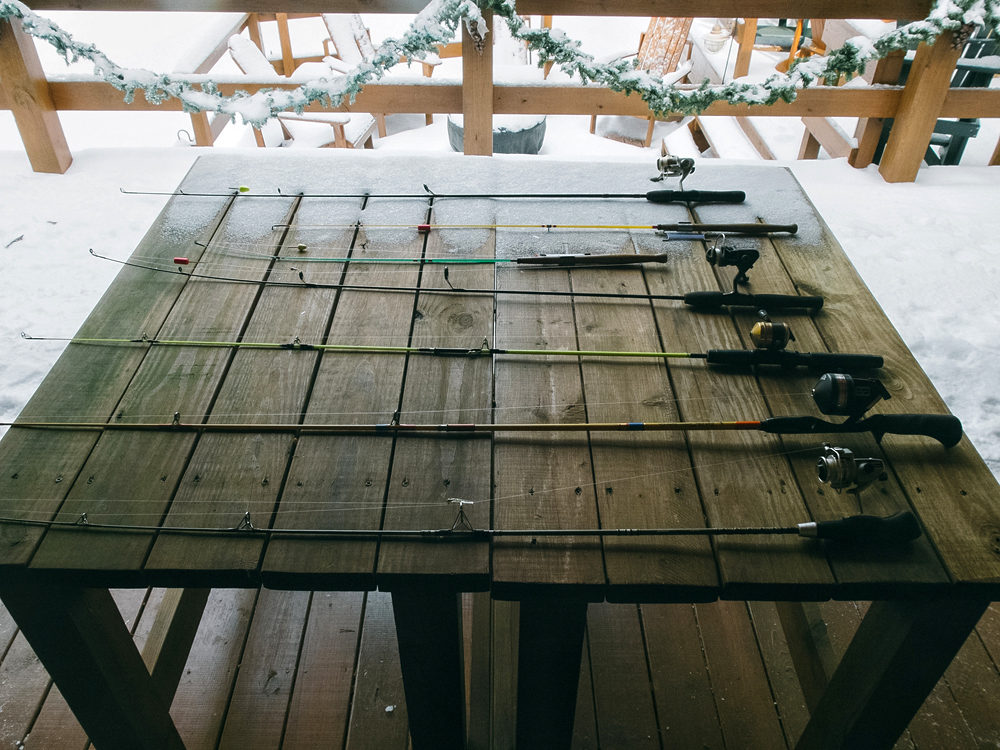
929 594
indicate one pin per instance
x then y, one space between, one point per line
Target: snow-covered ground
928 250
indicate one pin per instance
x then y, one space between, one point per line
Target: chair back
662 44
350 37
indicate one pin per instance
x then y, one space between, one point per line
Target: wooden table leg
429 633
548 672
81 639
896 658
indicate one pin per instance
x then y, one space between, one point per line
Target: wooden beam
919 109
26 93
677 8
869 129
755 138
829 135
287 58
169 642
477 92
995 159
747 37
809 148
809 646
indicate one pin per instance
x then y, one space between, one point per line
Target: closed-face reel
842 395
839 468
673 166
742 257
770 335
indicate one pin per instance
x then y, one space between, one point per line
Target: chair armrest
337 64
325 118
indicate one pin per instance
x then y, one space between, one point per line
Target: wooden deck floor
291 670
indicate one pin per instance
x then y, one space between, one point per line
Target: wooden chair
316 130
660 50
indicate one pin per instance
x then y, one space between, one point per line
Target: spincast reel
769 335
842 395
743 258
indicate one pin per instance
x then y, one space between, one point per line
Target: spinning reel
842 471
673 166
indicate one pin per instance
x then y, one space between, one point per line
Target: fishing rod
700 300
728 357
681 231
860 529
653 196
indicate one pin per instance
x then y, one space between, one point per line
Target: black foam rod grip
712 300
944 428
696 196
894 529
825 361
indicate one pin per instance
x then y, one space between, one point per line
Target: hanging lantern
716 39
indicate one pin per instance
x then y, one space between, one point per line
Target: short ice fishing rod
676 231
834 394
700 300
727 357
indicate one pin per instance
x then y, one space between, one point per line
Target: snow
927 250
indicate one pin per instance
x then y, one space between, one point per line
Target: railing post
477 91
23 83
749 35
919 109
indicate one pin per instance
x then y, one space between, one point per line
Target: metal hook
246 524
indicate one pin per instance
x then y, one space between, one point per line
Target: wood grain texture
477 92
23 86
682 688
340 481
321 702
257 711
378 710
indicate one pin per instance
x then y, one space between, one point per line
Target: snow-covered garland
437 24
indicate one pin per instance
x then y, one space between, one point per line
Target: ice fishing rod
653 196
728 357
861 529
681 231
700 300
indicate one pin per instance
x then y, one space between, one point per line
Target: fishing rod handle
620 259
825 361
945 428
745 229
714 300
696 196
895 529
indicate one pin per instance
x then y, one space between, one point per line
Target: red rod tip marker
181 261
423 227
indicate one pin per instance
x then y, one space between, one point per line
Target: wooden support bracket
23 85
477 93
869 129
169 642
919 109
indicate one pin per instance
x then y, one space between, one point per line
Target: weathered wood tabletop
149 484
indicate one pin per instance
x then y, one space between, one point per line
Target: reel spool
673 166
842 395
768 335
842 471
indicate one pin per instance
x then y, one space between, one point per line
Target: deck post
80 636
548 672
869 129
919 109
477 91
23 84
429 634
745 48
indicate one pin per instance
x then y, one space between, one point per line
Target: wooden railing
916 107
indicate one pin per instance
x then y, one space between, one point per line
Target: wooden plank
624 704
585 723
429 637
40 468
643 480
687 8
550 643
892 664
995 159
685 704
23 84
256 715
829 135
80 637
746 48
782 649
809 148
478 668
973 679
746 707
430 472
477 92
55 727
287 58
758 489
321 701
925 92
341 481
755 138
952 515
171 635
378 708
869 129
170 380
503 674
202 698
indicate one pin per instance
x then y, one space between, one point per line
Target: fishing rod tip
91 251
25 336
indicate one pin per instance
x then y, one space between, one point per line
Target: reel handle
715 300
895 529
945 428
825 361
696 196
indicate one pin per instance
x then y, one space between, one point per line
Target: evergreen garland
437 24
